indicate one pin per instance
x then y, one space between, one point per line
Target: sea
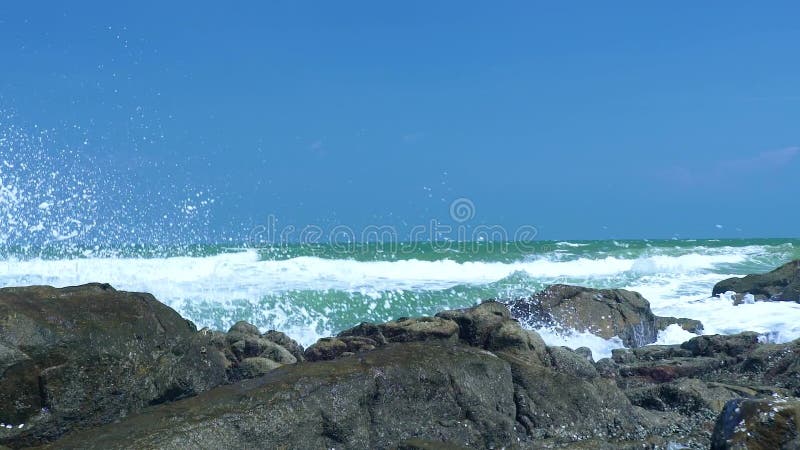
69 216
312 291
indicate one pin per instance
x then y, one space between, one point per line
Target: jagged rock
758 424
604 312
87 355
735 360
781 284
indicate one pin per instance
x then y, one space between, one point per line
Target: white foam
673 334
242 275
239 281
601 348
687 295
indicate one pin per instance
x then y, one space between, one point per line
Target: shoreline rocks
83 356
606 313
781 284
92 367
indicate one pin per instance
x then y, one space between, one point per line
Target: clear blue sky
584 119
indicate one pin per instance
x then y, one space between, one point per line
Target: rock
569 361
490 326
87 355
714 345
604 312
758 424
242 330
275 352
255 367
419 329
286 342
367 330
325 349
782 284
408 393
586 352
685 396
477 325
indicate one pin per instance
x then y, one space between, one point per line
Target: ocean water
311 291
64 215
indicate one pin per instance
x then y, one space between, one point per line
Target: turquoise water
311 291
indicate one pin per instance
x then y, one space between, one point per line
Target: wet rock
781 284
758 424
83 356
399 393
604 312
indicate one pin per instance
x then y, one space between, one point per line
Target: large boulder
604 312
87 355
782 284
401 392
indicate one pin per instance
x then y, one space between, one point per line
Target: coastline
100 368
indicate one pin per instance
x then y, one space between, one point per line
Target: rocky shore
93 367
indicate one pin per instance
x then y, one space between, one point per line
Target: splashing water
56 198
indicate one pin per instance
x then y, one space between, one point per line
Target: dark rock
782 284
569 361
713 345
325 349
286 342
407 393
242 330
477 325
367 330
758 424
586 352
604 312
490 326
685 396
83 356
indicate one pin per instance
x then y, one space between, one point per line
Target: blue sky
585 120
